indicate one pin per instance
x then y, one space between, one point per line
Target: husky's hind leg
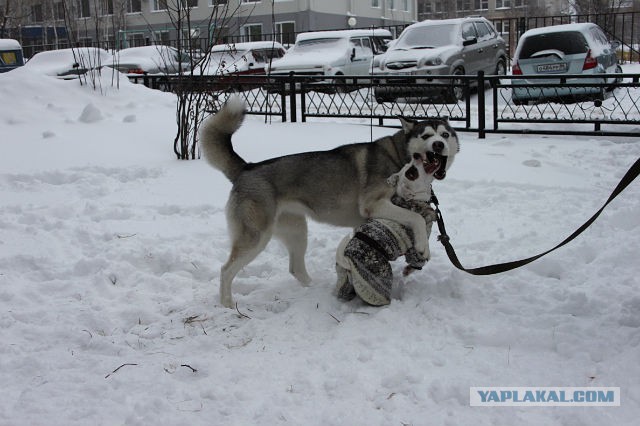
251 226
291 229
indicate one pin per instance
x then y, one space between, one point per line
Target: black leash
631 174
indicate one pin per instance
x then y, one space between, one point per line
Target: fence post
481 106
292 97
283 99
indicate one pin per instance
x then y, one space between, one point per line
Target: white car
560 50
332 53
239 58
69 64
156 59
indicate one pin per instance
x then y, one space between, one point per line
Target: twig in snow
189 367
509 355
125 236
123 365
240 313
334 317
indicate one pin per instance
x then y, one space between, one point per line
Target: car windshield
427 36
315 44
569 43
226 56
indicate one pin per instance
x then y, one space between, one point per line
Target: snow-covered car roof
343 34
61 62
9 44
582 27
247 46
152 58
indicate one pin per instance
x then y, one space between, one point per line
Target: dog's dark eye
445 135
417 156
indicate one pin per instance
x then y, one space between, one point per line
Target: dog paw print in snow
90 114
129 119
48 134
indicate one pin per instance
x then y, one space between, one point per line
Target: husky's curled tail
215 138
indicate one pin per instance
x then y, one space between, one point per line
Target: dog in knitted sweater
363 258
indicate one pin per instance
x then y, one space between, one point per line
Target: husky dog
363 258
343 186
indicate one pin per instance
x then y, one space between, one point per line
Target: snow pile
110 251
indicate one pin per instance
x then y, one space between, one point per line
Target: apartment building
122 23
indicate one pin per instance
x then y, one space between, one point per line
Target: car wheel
501 67
456 91
340 84
616 80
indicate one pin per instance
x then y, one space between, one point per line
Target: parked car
448 47
10 54
156 59
240 58
332 53
70 63
564 50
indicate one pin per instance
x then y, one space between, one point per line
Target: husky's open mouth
436 165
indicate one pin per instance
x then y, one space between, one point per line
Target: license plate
561 67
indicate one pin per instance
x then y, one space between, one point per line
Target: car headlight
430 62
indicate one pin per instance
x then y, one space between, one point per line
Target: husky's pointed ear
407 124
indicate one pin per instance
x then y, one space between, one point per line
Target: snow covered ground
110 252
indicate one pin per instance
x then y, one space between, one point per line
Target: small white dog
362 259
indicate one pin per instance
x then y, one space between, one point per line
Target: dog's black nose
438 146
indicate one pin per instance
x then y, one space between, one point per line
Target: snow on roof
582 27
428 22
343 34
9 44
246 46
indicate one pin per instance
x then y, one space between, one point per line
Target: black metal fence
574 105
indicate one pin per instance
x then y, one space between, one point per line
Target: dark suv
446 47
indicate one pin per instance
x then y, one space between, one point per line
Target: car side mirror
470 41
353 54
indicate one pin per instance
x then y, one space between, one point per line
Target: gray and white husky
343 187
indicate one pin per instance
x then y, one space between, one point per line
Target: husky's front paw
227 301
422 246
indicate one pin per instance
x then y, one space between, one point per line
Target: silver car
564 50
435 48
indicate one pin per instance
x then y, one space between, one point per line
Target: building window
375 3
286 32
58 11
217 2
134 6
84 8
503 4
159 5
481 4
107 7
189 3
36 13
464 5
160 37
135 39
251 1
391 4
251 32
